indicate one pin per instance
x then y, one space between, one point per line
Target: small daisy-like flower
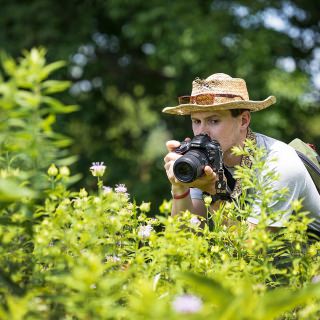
145 231
97 169
106 190
187 304
120 188
195 221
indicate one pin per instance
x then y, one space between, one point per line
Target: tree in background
129 59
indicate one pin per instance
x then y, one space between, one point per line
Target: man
220 107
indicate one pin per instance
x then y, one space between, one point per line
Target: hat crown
220 83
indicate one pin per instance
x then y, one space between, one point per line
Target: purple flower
97 169
316 279
187 304
106 190
145 231
195 221
120 188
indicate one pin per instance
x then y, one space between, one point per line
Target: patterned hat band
208 98
218 92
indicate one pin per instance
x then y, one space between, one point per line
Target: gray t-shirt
292 175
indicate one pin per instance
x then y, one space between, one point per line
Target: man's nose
204 129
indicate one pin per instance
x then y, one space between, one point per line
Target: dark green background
129 59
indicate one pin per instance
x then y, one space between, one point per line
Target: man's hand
206 183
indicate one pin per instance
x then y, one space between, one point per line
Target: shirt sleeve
292 176
196 193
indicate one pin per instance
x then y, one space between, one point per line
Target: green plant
100 255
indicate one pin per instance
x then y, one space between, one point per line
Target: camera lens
190 166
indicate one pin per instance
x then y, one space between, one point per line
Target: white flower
113 259
97 169
120 188
187 304
195 221
145 231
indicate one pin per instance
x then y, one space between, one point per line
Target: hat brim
187 109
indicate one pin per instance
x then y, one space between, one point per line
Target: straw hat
218 92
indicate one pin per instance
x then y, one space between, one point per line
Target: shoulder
273 145
281 157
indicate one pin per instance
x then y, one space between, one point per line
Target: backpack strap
310 159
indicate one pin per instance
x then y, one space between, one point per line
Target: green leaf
48 69
11 191
209 288
53 86
57 107
276 302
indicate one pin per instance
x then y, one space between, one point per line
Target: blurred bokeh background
129 59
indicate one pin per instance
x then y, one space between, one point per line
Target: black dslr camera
197 153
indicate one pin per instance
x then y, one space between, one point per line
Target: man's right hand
206 183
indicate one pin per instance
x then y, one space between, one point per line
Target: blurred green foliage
98 255
129 59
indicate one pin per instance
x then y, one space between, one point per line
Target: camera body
197 153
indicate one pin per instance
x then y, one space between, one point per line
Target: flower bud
207 200
83 193
64 171
52 171
145 207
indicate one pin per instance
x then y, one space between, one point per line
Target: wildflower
52 171
145 207
194 221
187 304
97 169
145 231
106 190
113 258
316 279
120 188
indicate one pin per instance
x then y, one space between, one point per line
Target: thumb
172 145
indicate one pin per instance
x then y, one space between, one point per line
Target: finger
168 165
172 145
187 139
209 171
171 156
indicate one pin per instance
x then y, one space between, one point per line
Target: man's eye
194 121
213 121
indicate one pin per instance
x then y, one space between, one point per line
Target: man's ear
245 119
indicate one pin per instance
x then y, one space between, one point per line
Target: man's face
221 126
